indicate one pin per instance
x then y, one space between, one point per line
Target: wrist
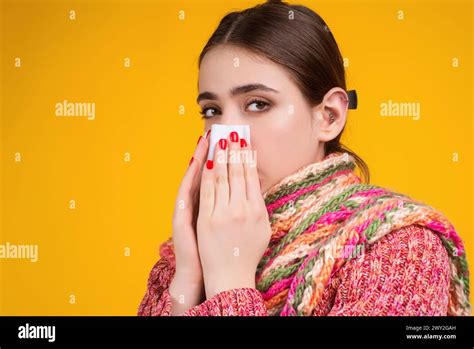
184 294
188 277
183 285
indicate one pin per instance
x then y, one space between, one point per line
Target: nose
232 118
231 114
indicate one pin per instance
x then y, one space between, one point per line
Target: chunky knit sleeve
157 300
404 273
235 302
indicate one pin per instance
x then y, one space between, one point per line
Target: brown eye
209 112
257 105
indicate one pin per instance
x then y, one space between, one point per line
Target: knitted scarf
320 215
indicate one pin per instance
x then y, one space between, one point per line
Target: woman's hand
233 227
187 287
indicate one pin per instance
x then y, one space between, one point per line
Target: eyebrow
237 91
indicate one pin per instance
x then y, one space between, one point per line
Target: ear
331 114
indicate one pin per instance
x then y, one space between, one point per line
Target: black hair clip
352 95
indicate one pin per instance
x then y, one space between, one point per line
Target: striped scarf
321 215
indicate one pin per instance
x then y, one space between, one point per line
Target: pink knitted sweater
404 273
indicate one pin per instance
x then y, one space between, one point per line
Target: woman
298 234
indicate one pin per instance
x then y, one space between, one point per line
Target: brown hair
304 46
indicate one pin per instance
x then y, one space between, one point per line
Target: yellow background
121 204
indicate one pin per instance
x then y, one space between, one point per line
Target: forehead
224 67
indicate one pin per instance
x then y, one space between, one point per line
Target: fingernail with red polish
208 133
223 143
191 161
199 139
234 136
243 143
209 164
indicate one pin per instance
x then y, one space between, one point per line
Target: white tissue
219 131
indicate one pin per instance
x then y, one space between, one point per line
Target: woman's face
236 87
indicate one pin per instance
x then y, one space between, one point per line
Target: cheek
282 147
274 147
287 136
